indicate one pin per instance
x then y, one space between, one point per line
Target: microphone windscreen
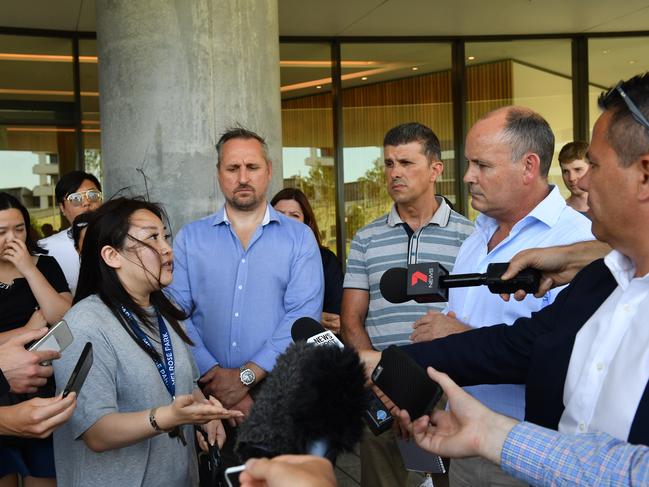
393 285
313 394
305 328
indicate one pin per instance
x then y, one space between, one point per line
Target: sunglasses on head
76 199
635 111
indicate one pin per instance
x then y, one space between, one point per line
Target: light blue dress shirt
551 222
243 302
543 457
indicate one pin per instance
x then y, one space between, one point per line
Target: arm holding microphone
536 455
559 264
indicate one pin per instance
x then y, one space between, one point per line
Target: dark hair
297 195
628 138
239 133
79 223
8 202
109 225
527 131
415 132
70 182
573 151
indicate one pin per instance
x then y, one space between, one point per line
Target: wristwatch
247 376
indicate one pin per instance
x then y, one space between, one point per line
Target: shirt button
236 315
234 344
582 427
243 261
240 287
600 366
626 308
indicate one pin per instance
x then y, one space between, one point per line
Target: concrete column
172 77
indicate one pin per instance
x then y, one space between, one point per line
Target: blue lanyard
166 369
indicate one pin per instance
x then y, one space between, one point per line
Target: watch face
247 377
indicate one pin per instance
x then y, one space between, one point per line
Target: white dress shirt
61 247
609 365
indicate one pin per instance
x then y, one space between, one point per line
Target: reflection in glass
385 85
90 120
536 74
37 120
307 130
612 60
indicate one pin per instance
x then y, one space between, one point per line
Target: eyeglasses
635 111
76 199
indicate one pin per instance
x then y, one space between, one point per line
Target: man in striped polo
420 227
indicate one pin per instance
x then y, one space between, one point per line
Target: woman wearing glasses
132 422
33 292
77 192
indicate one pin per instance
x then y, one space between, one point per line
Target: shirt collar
439 218
622 268
548 211
221 216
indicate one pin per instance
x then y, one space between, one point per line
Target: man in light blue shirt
509 153
245 274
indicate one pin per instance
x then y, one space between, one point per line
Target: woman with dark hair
33 292
76 192
293 203
140 398
78 228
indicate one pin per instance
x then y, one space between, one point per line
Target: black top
333 281
4 385
17 304
534 351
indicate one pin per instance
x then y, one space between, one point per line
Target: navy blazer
533 351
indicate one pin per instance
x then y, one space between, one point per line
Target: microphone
309 330
376 415
311 403
429 282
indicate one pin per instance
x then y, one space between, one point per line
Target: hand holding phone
58 338
406 383
80 372
232 475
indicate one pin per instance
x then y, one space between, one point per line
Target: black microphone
312 402
429 282
376 415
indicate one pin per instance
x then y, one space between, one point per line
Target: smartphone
376 416
80 372
406 383
58 338
232 475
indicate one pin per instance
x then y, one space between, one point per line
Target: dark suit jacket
533 351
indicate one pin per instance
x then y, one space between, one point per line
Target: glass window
385 85
90 119
536 74
611 60
37 135
307 133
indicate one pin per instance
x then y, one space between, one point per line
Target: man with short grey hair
509 152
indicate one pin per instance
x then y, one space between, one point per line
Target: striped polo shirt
388 242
